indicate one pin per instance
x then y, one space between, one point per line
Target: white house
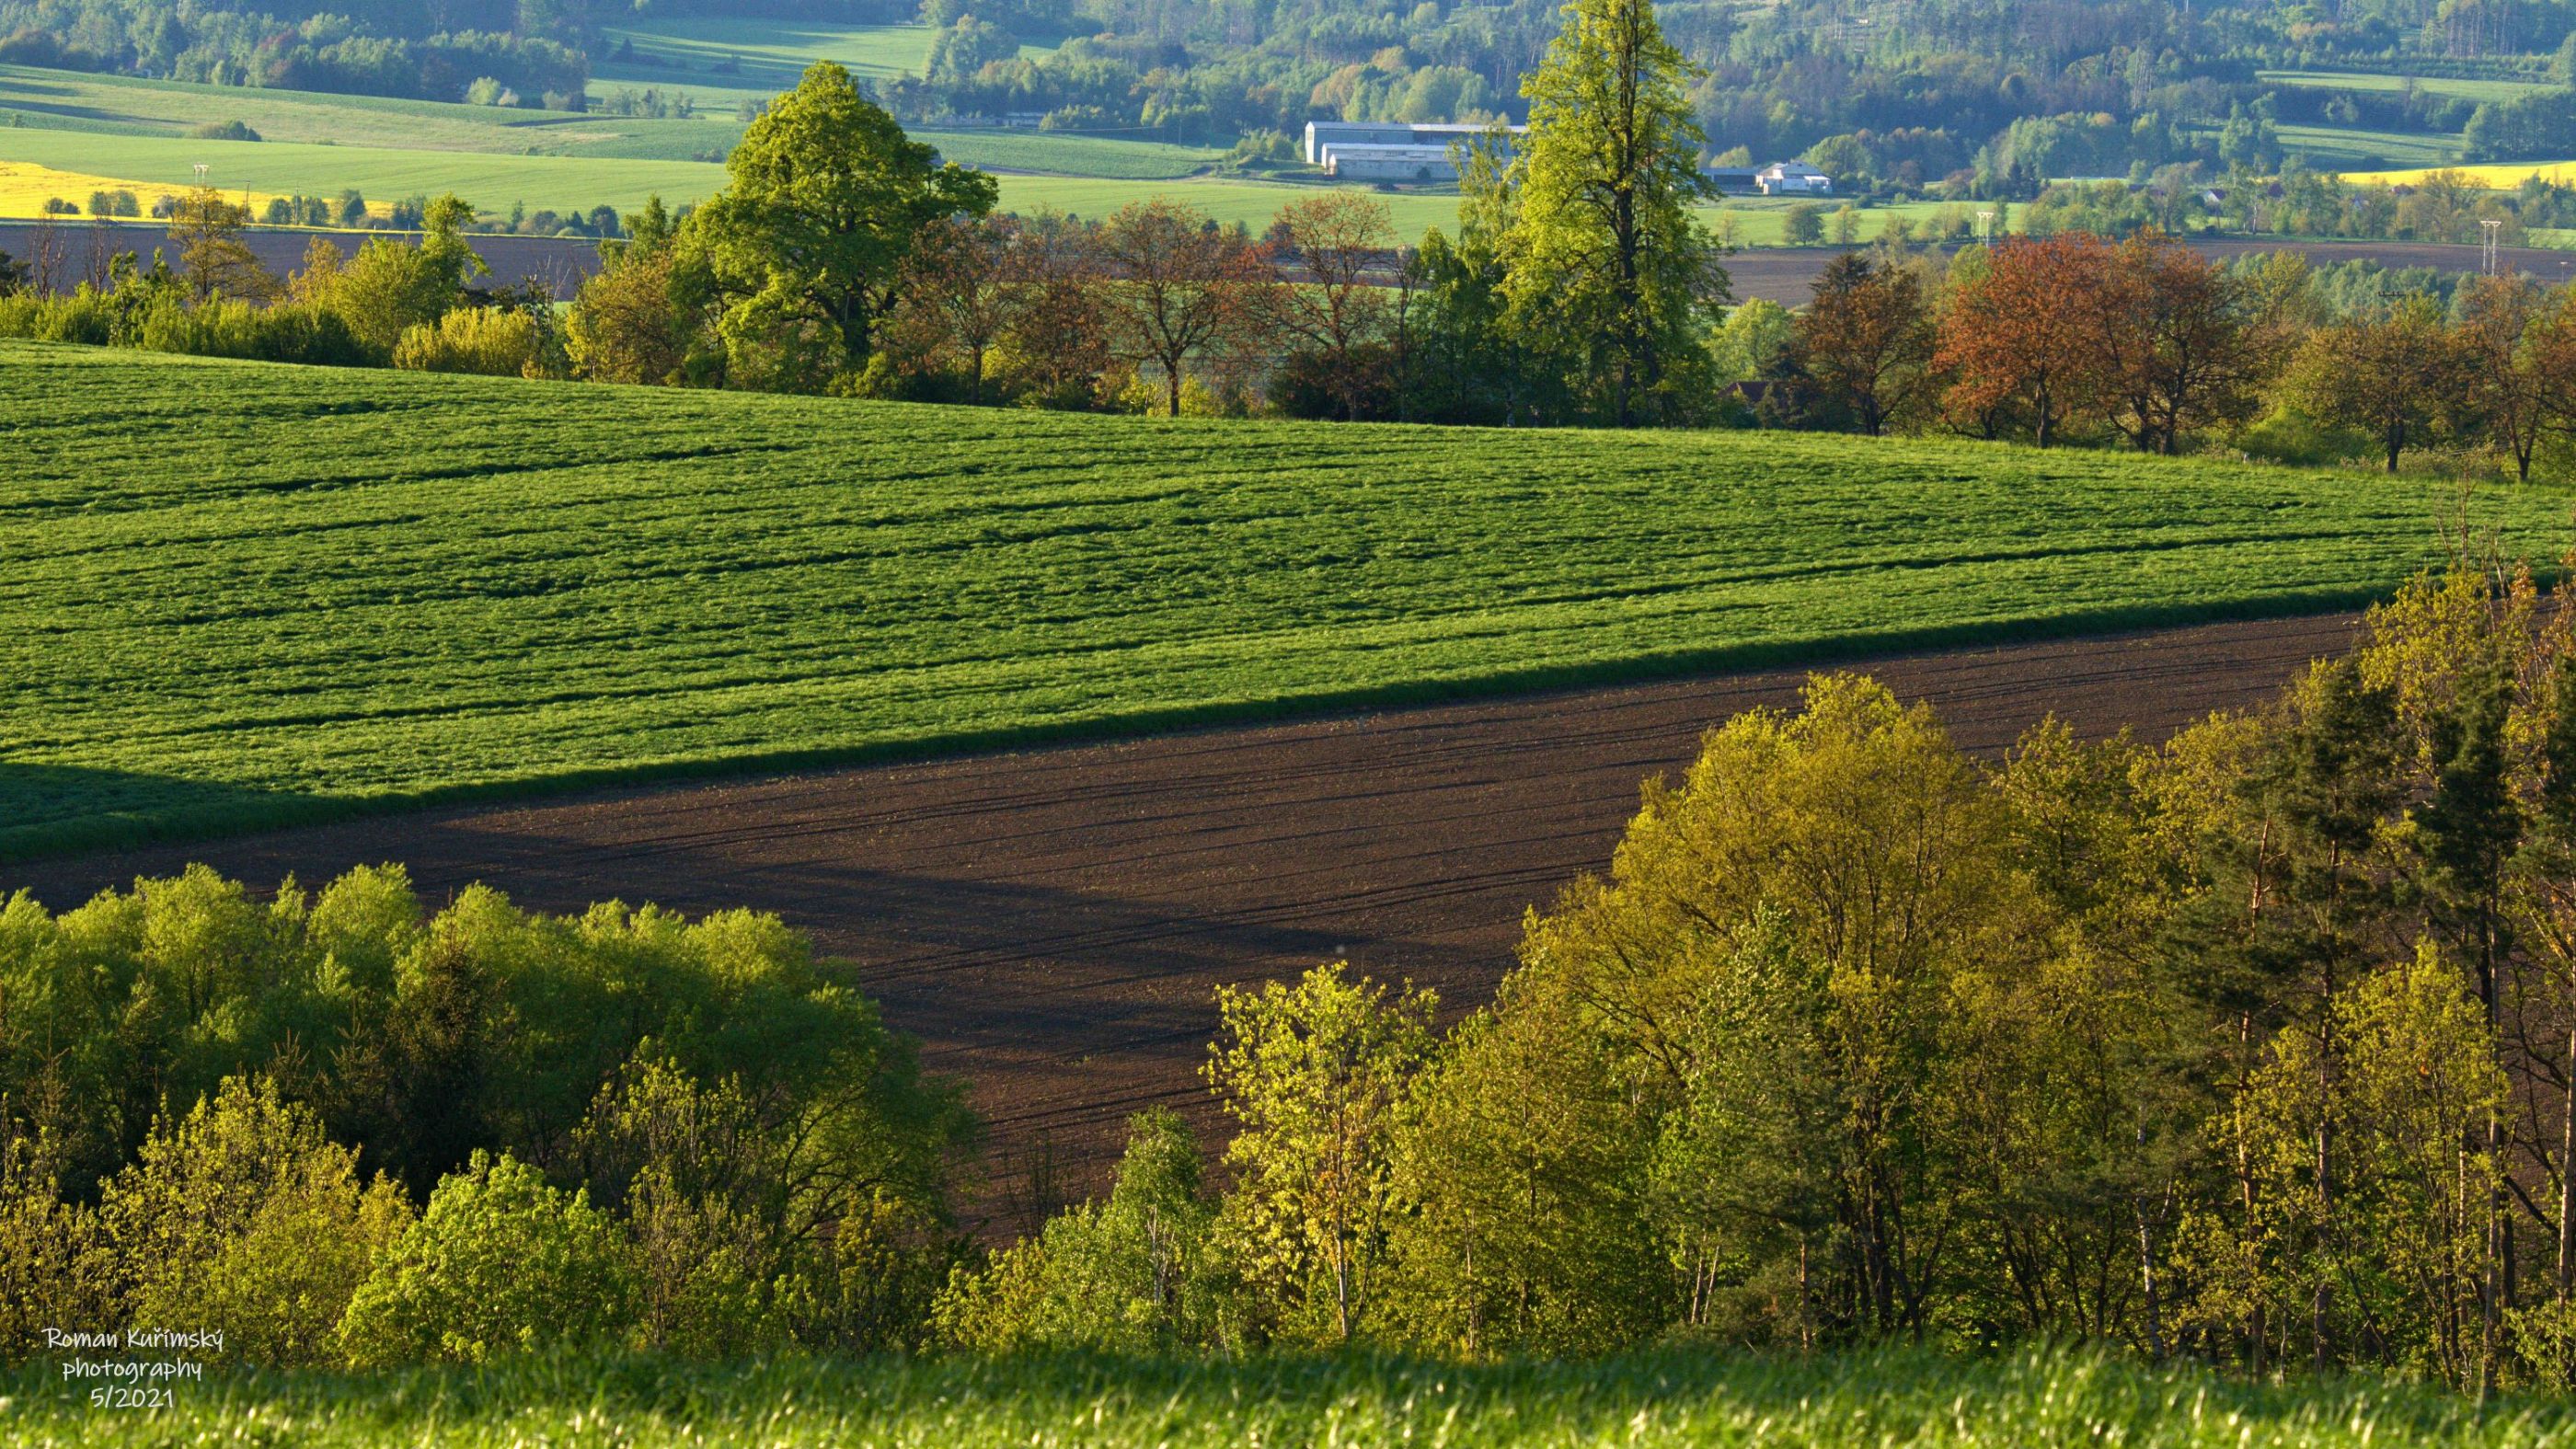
1794 178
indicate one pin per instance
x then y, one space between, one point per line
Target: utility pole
1986 226
2491 227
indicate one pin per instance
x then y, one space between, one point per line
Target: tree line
429 51
1581 288
338 1128
2255 1046
843 257
2145 343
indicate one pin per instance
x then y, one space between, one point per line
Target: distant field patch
1252 203
268 167
250 595
131 105
2337 148
25 188
756 50
2431 85
2502 176
729 59
1061 154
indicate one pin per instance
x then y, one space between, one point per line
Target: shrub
243 1218
49 1259
1148 397
2288 436
233 130
624 327
1312 384
85 317
482 340
1128 1275
500 1263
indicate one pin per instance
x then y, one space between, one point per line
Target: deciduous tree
1604 255
2511 352
1178 287
807 242
1057 344
1314 1074
2183 345
2019 336
206 230
963 288
2397 376
1860 353
1327 247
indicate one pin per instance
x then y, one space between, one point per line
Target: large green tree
1603 250
806 245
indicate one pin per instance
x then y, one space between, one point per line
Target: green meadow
2345 80
244 597
493 180
727 59
1887 1399
2339 148
110 105
490 180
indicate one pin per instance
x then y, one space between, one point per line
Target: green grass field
107 105
726 59
244 597
1708 1400
2338 80
490 181
2337 148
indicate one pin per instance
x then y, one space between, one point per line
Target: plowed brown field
1051 923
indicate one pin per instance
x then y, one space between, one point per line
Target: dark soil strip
1051 923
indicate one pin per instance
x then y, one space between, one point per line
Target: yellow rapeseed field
25 188
2503 176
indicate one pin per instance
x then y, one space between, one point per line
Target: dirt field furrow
1052 923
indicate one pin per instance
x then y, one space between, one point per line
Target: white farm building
1390 150
1794 178
1389 163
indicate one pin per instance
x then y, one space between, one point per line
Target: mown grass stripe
238 595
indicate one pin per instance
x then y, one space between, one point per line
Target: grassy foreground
241 595
1884 1400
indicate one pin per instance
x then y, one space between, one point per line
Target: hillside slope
235 594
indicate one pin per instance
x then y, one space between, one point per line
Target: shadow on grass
51 809
48 810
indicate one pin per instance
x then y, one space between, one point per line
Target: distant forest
1982 97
